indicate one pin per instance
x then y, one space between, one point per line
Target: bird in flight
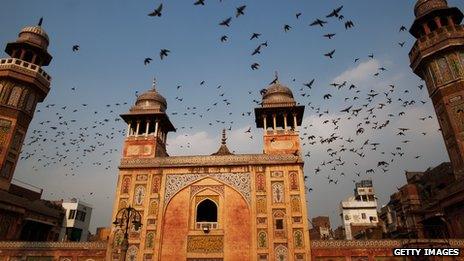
335 12
318 22
330 36
226 22
287 28
297 15
157 11
75 48
164 53
330 54
402 28
255 36
255 66
147 61
199 2
239 11
224 38
401 44
349 24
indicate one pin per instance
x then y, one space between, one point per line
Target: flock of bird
76 144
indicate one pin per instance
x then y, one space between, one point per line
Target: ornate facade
23 84
219 207
438 58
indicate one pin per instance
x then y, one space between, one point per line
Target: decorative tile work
142 177
5 126
149 239
193 161
262 239
281 253
240 181
155 184
277 192
295 203
261 204
14 96
122 203
153 207
125 185
139 195
118 238
293 180
277 174
132 253
444 69
261 221
300 257
217 188
205 244
30 102
298 238
199 199
260 182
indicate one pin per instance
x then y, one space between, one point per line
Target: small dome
151 100
34 35
423 7
278 95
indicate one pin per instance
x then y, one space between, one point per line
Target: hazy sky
115 36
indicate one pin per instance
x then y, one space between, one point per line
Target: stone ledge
97 245
385 243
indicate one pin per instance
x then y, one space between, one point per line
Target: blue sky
115 37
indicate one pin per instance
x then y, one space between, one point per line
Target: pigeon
157 11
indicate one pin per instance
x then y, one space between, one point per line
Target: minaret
280 117
147 126
23 84
438 58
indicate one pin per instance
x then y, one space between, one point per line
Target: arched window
207 211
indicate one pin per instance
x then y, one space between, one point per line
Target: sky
108 70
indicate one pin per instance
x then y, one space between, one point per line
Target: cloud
359 74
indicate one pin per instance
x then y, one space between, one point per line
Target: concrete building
359 212
222 206
76 221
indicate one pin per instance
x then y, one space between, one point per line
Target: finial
276 76
224 138
40 21
154 83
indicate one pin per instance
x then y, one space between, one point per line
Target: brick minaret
147 126
23 84
280 117
438 58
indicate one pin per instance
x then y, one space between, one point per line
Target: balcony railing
30 67
209 225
